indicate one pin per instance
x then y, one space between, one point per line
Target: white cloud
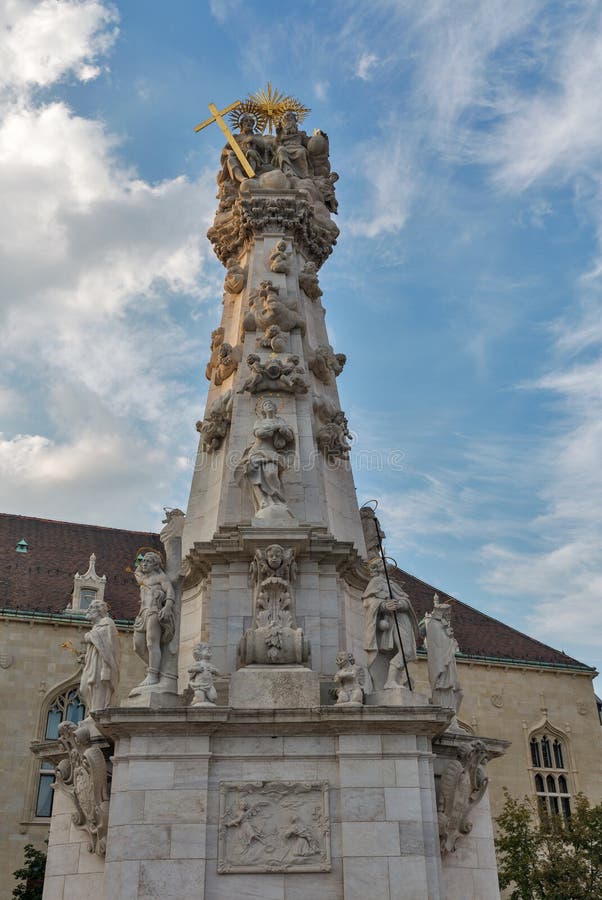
102 271
365 64
43 41
222 10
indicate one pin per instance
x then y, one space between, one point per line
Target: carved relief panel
273 826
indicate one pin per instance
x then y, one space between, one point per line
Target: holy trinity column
273 461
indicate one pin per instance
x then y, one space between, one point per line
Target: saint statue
154 625
291 147
441 647
381 640
100 672
251 145
263 462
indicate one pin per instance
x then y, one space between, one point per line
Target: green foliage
31 875
546 857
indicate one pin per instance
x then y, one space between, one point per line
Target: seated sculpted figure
251 145
291 147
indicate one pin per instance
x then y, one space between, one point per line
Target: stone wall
39 665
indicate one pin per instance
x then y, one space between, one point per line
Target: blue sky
465 287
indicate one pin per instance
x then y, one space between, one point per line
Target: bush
31 875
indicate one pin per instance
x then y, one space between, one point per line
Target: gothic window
551 784
66 707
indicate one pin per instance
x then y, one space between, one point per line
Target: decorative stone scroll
462 785
214 427
273 826
274 638
325 363
284 375
82 777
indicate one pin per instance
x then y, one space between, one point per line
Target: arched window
66 707
551 783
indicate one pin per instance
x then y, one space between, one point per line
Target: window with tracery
67 707
551 782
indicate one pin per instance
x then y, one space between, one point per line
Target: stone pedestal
274 687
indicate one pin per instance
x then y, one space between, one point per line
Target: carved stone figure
214 427
274 338
291 153
251 145
274 638
349 680
308 281
264 460
274 375
268 309
333 434
100 672
441 647
279 258
154 625
224 358
325 363
381 641
202 672
270 826
318 147
371 527
82 777
236 277
462 785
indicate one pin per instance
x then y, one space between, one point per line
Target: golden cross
217 117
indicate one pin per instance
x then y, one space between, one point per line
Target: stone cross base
269 804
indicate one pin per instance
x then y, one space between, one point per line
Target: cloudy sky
465 287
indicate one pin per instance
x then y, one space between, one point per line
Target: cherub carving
214 427
274 338
349 680
332 436
236 277
268 308
274 375
224 358
202 672
325 363
279 258
308 281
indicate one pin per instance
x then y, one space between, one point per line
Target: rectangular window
86 596
45 792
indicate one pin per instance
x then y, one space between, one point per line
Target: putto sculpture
308 281
154 626
279 258
269 308
349 680
100 672
325 364
202 673
332 435
224 358
236 277
384 601
274 375
275 638
82 777
214 428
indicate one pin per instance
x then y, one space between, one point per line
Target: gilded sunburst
267 106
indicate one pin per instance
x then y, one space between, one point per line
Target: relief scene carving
269 826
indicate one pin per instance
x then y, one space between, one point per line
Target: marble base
274 687
399 696
151 698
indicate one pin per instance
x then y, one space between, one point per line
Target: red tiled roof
42 579
479 634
